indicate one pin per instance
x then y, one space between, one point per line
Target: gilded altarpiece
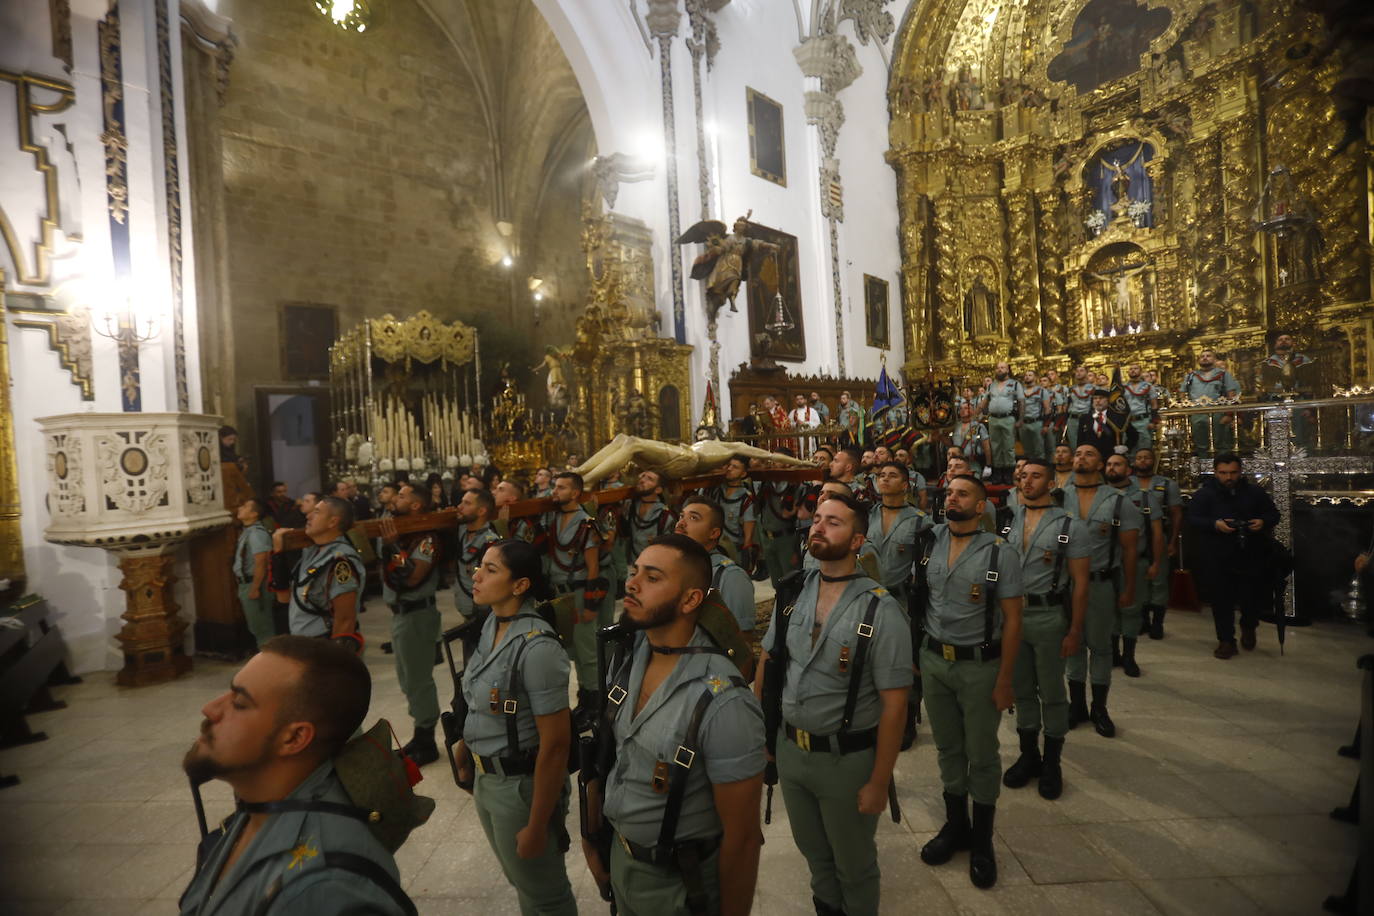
626 379
1101 181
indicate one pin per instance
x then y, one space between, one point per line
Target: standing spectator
347 490
1144 403
970 438
1006 405
282 508
1033 415
438 499
821 407
804 416
251 554
1210 381
1234 518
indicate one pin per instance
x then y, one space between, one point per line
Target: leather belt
668 855
1046 600
506 766
843 743
964 653
406 607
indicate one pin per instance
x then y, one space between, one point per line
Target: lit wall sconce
349 15
120 321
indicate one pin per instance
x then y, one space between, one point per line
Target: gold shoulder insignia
880 591
717 684
301 853
343 571
727 562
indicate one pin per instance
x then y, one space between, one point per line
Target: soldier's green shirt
1108 503
324 572
729 747
471 545
253 540
655 521
422 549
1208 383
1166 489
569 538
1040 554
957 604
291 849
814 688
738 506
773 496
1151 508
1004 397
544 670
895 549
735 587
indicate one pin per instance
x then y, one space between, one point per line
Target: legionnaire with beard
1153 592
1036 409
1080 402
972 634
844 647
1214 431
1143 401
1114 525
736 498
507 493
574 549
327 584
476 531
647 515
701 520
776 502
1055 569
1152 559
682 795
409 581
1006 405
273 736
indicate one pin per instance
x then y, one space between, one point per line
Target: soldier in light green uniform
972 597
1057 404
1032 428
844 646
1006 405
327 583
701 521
518 733
410 579
682 795
475 531
1214 432
1114 526
270 733
647 516
251 555
892 528
1150 551
1080 402
1154 592
1055 569
971 438
777 524
736 498
1143 401
575 555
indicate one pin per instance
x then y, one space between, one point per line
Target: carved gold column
1345 260
153 637
948 325
1238 168
916 239
1025 275
11 543
1209 248
1051 261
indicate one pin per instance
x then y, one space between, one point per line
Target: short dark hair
1226 458
389 484
717 513
519 485
825 448
227 431
852 502
982 488
695 560
894 464
338 483
278 483
315 493
332 692
784 450
259 506
856 455
422 496
525 561
483 497
341 509
1039 462
575 477
742 459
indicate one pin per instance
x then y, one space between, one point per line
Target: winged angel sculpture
728 259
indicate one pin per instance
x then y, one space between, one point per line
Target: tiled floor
1212 800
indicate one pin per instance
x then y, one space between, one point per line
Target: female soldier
518 729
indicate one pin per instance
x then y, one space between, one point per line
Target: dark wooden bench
32 659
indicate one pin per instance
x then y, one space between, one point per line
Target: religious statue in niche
1289 217
556 386
1122 189
982 304
1107 41
634 414
1121 292
966 93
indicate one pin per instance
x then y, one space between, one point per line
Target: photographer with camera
1234 517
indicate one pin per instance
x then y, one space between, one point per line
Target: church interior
256 251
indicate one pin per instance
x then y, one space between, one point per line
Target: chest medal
975 592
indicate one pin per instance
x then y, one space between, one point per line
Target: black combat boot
1128 665
1157 621
1051 776
1116 651
953 836
1098 713
1027 766
909 732
982 864
422 748
825 909
1078 703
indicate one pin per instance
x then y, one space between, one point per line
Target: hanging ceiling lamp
350 15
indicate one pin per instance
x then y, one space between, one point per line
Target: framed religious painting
307 333
767 156
875 312
774 295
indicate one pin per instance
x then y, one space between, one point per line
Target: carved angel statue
675 461
727 260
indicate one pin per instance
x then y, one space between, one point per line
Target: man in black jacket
1105 428
1234 518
